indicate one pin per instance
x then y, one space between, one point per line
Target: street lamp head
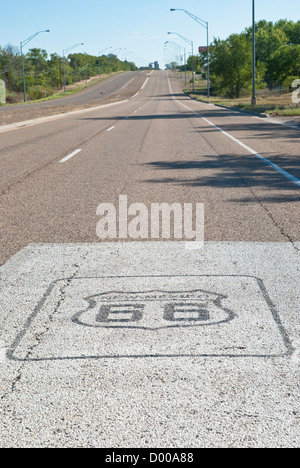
172 9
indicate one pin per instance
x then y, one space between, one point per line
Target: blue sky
140 26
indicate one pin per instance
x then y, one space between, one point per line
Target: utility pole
253 100
60 74
22 44
205 25
193 58
64 62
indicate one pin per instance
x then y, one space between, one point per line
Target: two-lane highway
150 343
111 89
154 148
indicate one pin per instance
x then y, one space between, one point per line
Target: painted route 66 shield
153 310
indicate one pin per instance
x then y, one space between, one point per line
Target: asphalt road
110 89
158 151
163 381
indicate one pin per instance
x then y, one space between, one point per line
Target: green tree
10 67
267 42
291 30
231 65
269 38
43 74
77 64
197 63
103 64
55 71
283 63
171 66
37 61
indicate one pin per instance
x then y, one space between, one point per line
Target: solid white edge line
286 174
144 84
70 156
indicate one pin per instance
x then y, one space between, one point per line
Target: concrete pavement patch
150 344
161 316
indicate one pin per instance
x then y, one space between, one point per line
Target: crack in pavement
39 336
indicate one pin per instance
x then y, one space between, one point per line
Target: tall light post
100 55
86 78
130 55
64 52
129 58
193 58
104 50
172 48
121 52
185 65
253 100
22 44
116 50
205 25
125 54
176 48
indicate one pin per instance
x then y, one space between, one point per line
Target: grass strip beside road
271 103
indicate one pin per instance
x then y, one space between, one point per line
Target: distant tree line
45 74
277 57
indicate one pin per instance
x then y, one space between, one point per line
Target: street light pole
177 51
173 47
86 78
185 65
193 58
253 100
116 50
100 54
64 52
23 73
205 25
22 44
